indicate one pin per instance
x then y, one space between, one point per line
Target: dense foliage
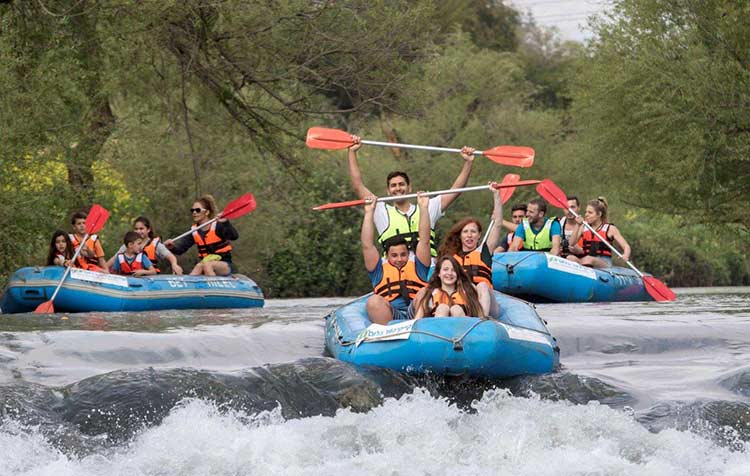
143 106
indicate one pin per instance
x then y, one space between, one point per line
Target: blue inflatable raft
88 291
516 344
542 277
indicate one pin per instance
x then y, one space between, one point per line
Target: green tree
664 105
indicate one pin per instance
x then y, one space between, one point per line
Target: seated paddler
397 277
537 232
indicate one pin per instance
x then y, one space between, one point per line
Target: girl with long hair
449 292
60 249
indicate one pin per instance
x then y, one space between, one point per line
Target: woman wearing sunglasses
213 241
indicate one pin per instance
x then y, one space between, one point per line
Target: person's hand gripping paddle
554 195
95 221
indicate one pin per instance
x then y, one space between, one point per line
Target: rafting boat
542 277
518 343
86 291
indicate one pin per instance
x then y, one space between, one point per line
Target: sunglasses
197 210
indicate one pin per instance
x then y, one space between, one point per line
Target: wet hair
397 173
518 206
77 216
541 205
464 286
600 206
68 253
146 223
394 241
209 203
130 237
452 242
573 197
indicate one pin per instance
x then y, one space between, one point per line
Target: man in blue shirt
537 232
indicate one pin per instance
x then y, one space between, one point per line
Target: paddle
95 221
335 139
234 209
510 180
554 195
398 198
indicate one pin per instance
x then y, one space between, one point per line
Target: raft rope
457 342
510 267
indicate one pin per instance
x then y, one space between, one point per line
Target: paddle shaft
67 268
418 147
193 229
611 247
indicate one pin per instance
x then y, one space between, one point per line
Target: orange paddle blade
45 308
329 206
240 206
330 139
512 155
96 219
553 194
658 290
506 193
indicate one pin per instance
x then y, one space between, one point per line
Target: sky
569 16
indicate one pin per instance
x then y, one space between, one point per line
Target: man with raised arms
401 218
397 278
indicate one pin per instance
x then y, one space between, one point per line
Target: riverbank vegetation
142 106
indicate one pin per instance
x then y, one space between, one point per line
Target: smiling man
401 218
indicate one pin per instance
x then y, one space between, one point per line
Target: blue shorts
402 314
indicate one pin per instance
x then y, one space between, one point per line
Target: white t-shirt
381 215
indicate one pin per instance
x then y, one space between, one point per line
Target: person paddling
401 218
537 233
569 227
397 278
213 241
92 253
152 246
595 253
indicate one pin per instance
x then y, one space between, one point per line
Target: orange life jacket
402 282
130 268
81 262
441 297
150 251
593 246
477 269
211 244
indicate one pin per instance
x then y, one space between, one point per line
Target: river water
644 389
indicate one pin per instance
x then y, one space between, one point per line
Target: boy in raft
132 262
537 232
398 277
92 253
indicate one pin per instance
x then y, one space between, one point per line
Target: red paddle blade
553 194
511 155
329 206
330 139
506 193
45 308
658 290
96 218
240 206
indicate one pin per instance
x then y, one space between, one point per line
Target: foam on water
416 434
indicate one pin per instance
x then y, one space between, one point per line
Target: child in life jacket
60 249
132 261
